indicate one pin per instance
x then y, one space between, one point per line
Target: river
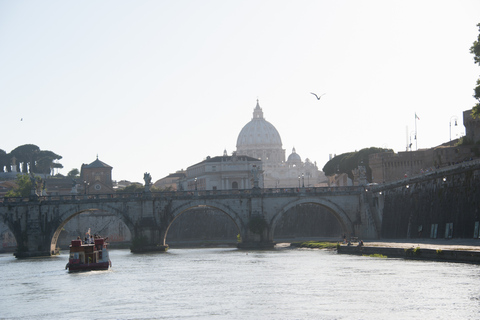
226 283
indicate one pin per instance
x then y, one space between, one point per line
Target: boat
88 256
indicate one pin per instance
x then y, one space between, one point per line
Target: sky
157 86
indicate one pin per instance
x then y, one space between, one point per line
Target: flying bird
318 97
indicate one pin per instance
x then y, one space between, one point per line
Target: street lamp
303 181
298 182
195 183
453 117
414 138
86 184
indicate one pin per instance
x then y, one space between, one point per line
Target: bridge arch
184 207
333 208
67 215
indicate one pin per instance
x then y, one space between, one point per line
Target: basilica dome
258 133
294 157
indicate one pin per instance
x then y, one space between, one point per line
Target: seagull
318 97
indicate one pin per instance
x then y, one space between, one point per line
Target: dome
294 157
258 133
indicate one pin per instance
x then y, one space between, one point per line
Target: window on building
433 231
234 185
449 230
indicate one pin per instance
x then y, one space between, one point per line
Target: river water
226 283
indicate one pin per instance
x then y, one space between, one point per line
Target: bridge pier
33 235
255 245
149 248
256 234
255 241
149 233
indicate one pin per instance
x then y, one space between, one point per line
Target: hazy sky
156 86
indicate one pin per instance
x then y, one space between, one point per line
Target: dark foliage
349 161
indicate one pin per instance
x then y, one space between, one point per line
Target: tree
44 162
475 50
3 160
26 155
24 186
74 173
133 188
30 159
349 161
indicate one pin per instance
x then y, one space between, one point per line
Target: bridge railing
184 194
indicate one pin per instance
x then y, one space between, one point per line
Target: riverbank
449 250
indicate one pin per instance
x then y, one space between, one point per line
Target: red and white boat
88 256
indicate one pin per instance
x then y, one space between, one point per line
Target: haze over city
156 86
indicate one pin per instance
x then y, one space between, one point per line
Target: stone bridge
36 222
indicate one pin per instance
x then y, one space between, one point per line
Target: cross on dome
257 112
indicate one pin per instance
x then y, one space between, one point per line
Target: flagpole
416 141
407 138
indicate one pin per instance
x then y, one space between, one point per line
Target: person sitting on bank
360 244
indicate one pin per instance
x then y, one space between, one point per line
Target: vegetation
475 50
29 159
375 255
349 161
416 251
74 174
465 141
315 244
24 186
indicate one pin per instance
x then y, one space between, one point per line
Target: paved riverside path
443 244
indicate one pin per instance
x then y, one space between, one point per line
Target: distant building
339 180
259 144
96 178
260 139
390 166
223 173
170 182
60 186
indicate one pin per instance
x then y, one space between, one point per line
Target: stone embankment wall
464 256
444 204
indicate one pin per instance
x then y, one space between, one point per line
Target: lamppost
298 182
195 183
303 181
453 117
414 138
85 183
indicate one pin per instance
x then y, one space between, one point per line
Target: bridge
36 222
